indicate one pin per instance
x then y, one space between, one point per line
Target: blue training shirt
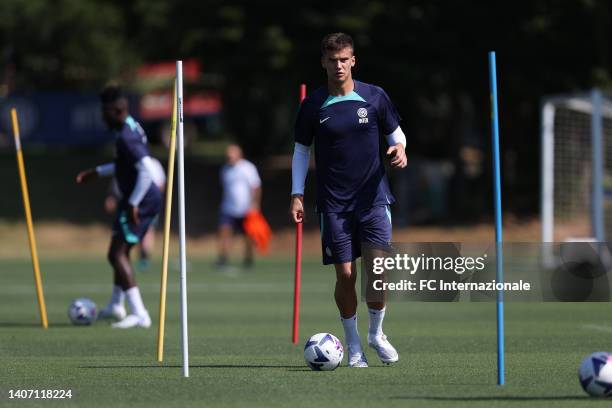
130 148
346 131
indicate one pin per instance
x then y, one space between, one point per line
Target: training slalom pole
181 211
498 220
167 218
28 214
298 262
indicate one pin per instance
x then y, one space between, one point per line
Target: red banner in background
158 105
192 69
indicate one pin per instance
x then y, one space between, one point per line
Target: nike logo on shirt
323 120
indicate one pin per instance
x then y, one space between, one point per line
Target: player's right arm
105 170
299 171
301 158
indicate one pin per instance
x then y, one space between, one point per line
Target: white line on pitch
606 329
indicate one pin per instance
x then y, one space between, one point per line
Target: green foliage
429 55
65 43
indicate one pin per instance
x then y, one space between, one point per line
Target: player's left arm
256 204
397 148
255 184
389 120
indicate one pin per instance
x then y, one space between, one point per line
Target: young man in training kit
147 243
140 204
345 120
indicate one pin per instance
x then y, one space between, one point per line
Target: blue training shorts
148 211
236 223
343 233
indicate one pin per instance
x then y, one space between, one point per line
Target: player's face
233 154
338 64
114 114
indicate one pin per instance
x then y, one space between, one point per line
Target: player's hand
133 215
86 175
397 154
110 204
296 208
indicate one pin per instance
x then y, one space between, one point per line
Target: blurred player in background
140 204
114 197
345 120
241 193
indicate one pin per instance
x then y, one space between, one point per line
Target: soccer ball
323 352
82 311
595 374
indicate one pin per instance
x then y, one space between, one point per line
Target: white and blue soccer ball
82 311
323 352
595 374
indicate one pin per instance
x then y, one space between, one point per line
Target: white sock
351 334
376 320
135 302
118 296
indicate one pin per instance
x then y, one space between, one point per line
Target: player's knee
115 257
345 277
111 257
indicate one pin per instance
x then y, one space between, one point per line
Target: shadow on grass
196 366
503 398
296 368
35 325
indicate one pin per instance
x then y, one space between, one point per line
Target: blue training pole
498 219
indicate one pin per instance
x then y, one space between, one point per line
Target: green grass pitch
240 326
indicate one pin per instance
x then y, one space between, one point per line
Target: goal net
576 195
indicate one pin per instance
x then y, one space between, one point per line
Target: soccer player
147 243
241 193
345 120
140 204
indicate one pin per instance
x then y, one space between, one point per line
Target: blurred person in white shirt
241 193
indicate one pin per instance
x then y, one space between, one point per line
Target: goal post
576 170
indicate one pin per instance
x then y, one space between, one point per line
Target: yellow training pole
164 274
26 205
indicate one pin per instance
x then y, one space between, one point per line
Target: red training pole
298 261
298 278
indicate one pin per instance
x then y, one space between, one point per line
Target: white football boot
133 320
357 358
386 352
111 311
